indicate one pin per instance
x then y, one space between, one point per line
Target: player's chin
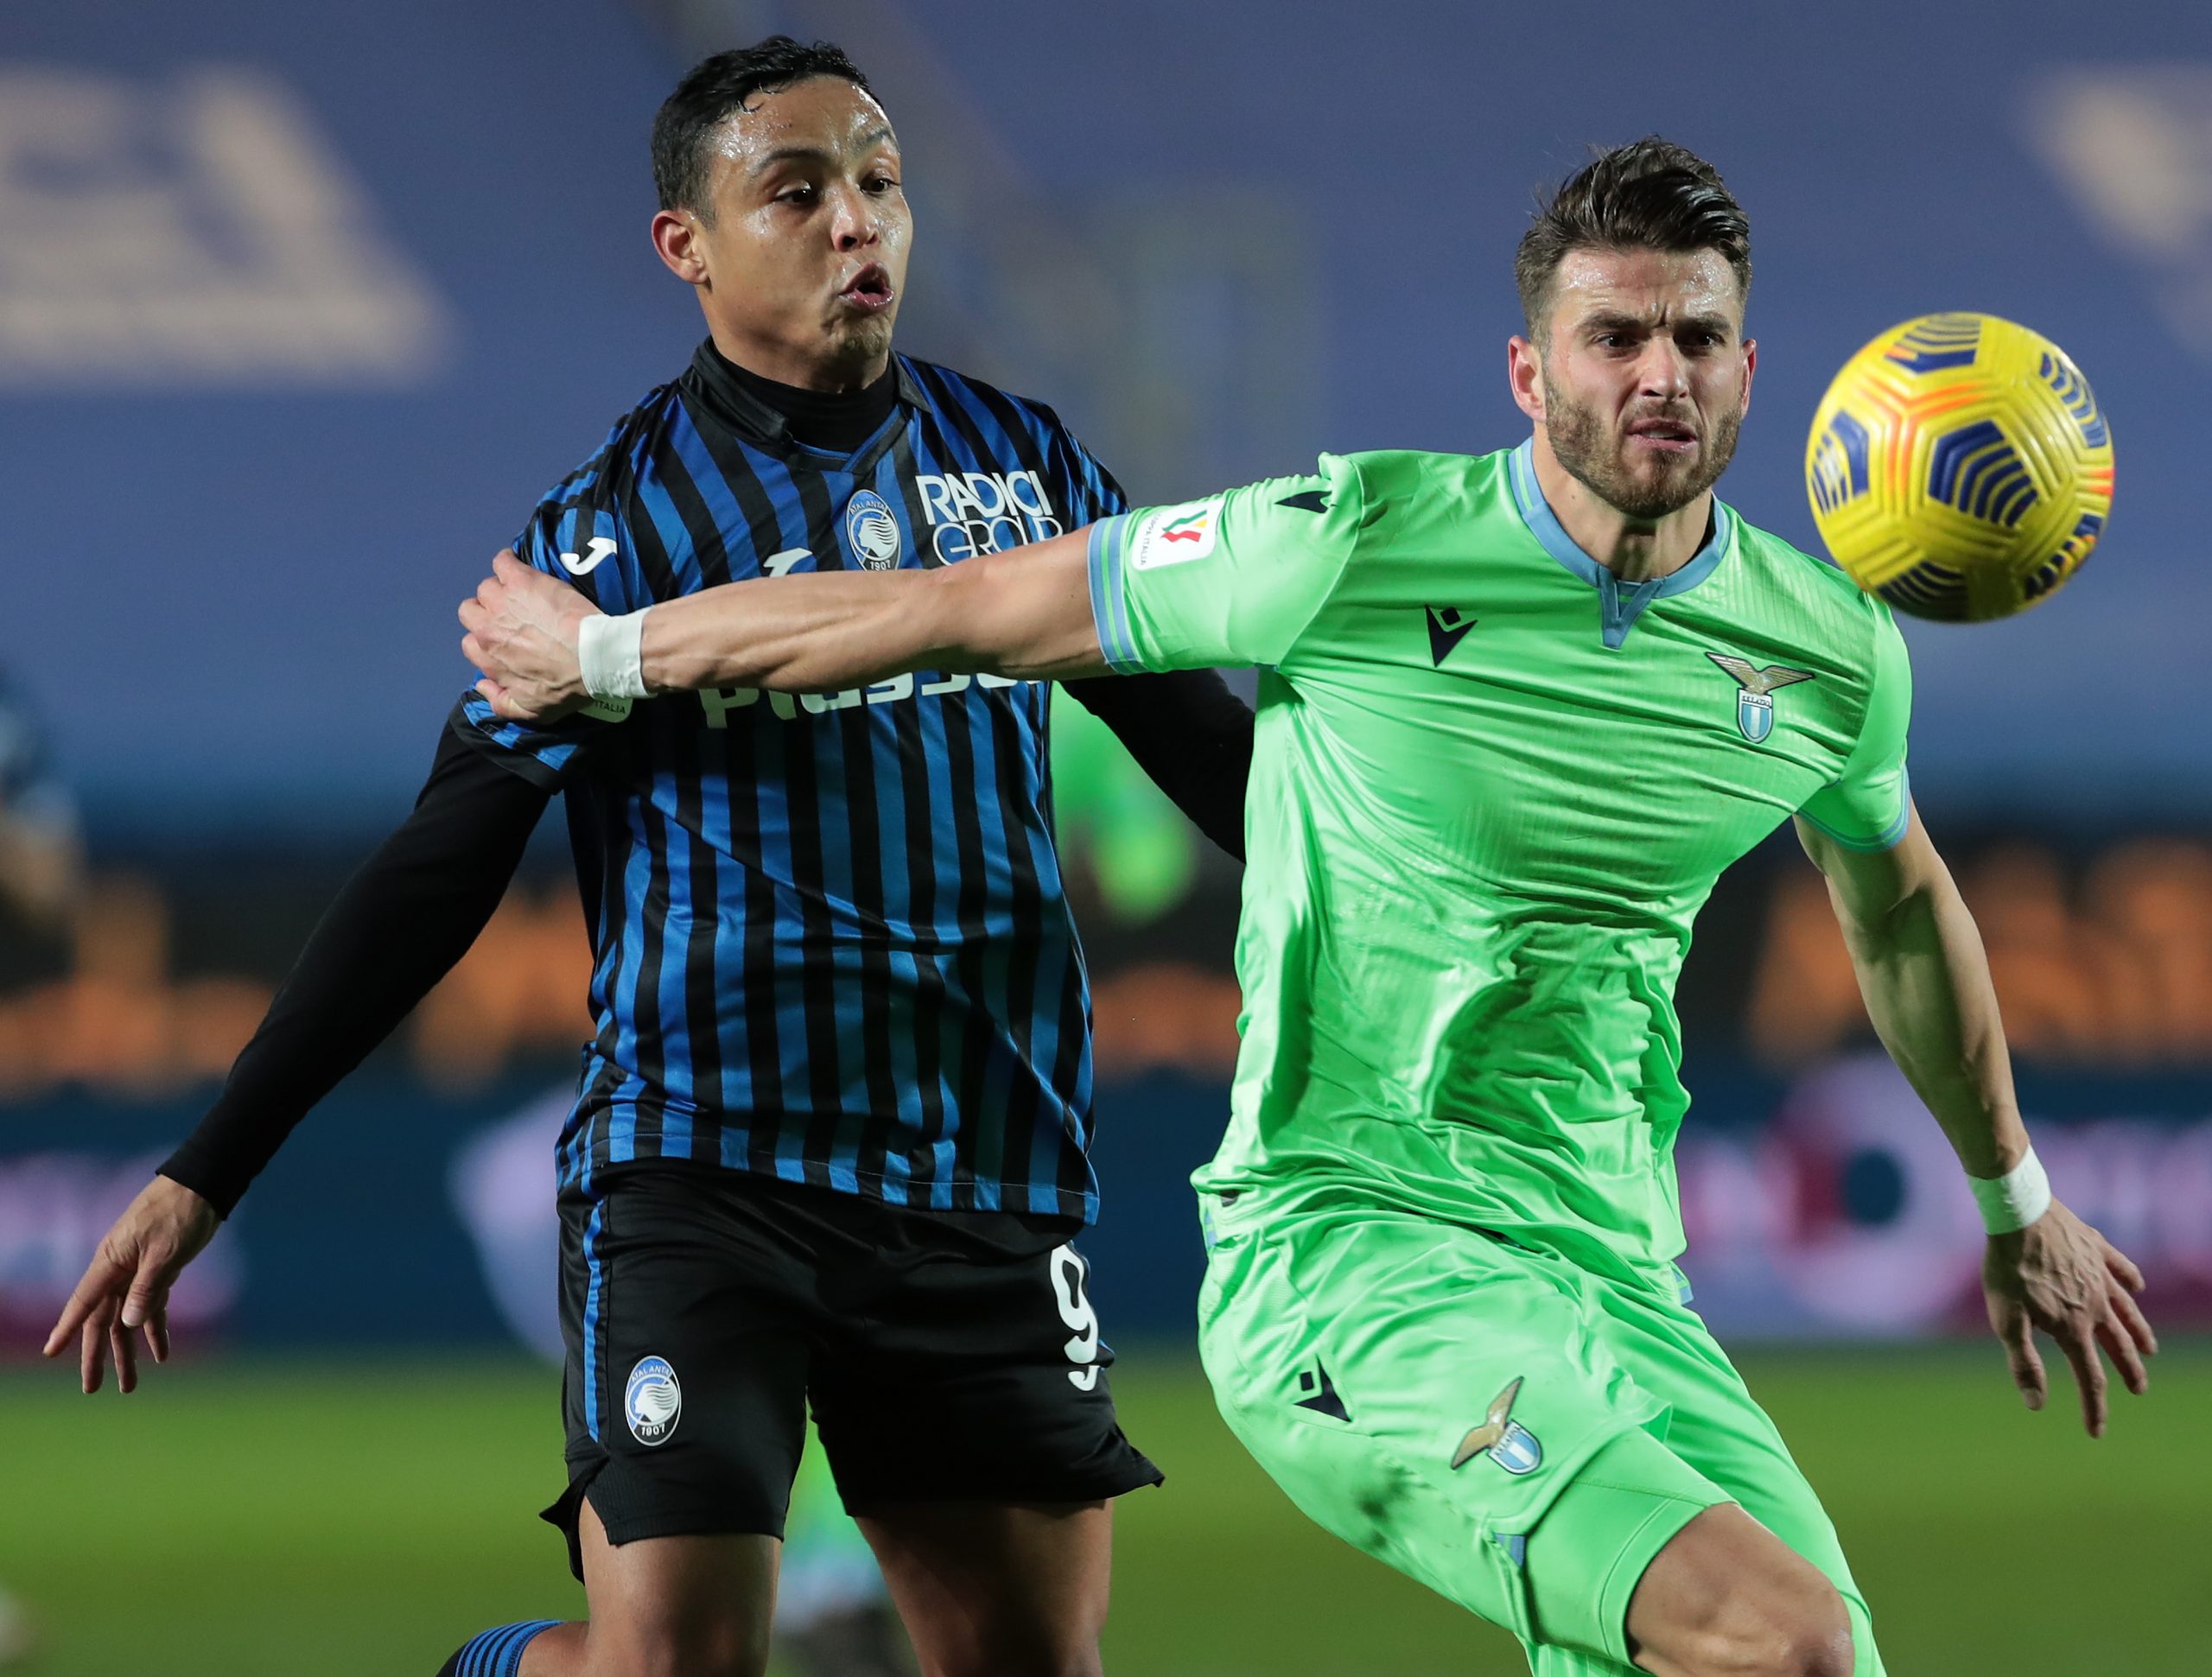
1655 484
855 332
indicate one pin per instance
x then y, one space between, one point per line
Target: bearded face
1645 375
1653 459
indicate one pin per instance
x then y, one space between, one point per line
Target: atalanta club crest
872 531
652 1402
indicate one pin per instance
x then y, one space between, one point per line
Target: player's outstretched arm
1025 613
395 929
1925 978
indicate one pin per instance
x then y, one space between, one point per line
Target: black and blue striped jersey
831 939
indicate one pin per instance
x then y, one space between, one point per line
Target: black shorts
949 1355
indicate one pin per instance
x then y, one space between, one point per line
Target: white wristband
611 652
2015 1199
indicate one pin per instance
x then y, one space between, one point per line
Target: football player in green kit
1517 714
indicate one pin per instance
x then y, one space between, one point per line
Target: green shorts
1518 1433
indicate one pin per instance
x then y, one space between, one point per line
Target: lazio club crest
1507 1444
1755 692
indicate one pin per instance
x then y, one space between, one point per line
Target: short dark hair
683 129
1650 194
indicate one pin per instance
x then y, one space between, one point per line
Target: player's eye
800 195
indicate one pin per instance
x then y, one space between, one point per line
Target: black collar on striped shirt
772 413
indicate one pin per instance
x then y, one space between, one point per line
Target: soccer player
41 874
830 1146
1518 713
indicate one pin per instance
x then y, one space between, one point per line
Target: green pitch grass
243 1519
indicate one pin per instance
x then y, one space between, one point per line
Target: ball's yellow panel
1960 467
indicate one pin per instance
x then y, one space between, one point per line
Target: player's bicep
1234 579
1868 886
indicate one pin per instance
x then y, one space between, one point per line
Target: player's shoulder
581 529
1783 564
1400 493
957 396
1814 598
1424 475
624 457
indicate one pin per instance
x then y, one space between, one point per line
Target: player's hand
522 631
2064 1277
125 1289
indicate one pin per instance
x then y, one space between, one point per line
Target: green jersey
1492 786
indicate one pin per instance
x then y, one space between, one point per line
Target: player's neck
831 375
1634 549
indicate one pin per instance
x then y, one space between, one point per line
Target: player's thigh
689 1606
998 1590
968 1413
1429 1393
1714 1424
689 1356
974 1377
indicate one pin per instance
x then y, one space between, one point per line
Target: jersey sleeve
585 546
1868 805
1082 490
1234 579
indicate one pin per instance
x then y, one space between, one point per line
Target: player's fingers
476 652
124 1350
2120 1348
502 702
474 616
150 1288
158 1334
97 1283
2077 1338
2019 1338
507 567
2132 1317
92 1357
2123 1266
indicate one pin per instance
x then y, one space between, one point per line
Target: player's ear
1751 366
675 236
1524 376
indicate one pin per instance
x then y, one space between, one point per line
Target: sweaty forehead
1656 285
823 114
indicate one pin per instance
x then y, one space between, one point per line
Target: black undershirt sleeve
395 929
1189 734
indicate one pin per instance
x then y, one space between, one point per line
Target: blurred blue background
302 309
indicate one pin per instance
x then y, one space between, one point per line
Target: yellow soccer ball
1960 467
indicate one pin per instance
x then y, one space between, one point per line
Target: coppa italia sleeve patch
1175 535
